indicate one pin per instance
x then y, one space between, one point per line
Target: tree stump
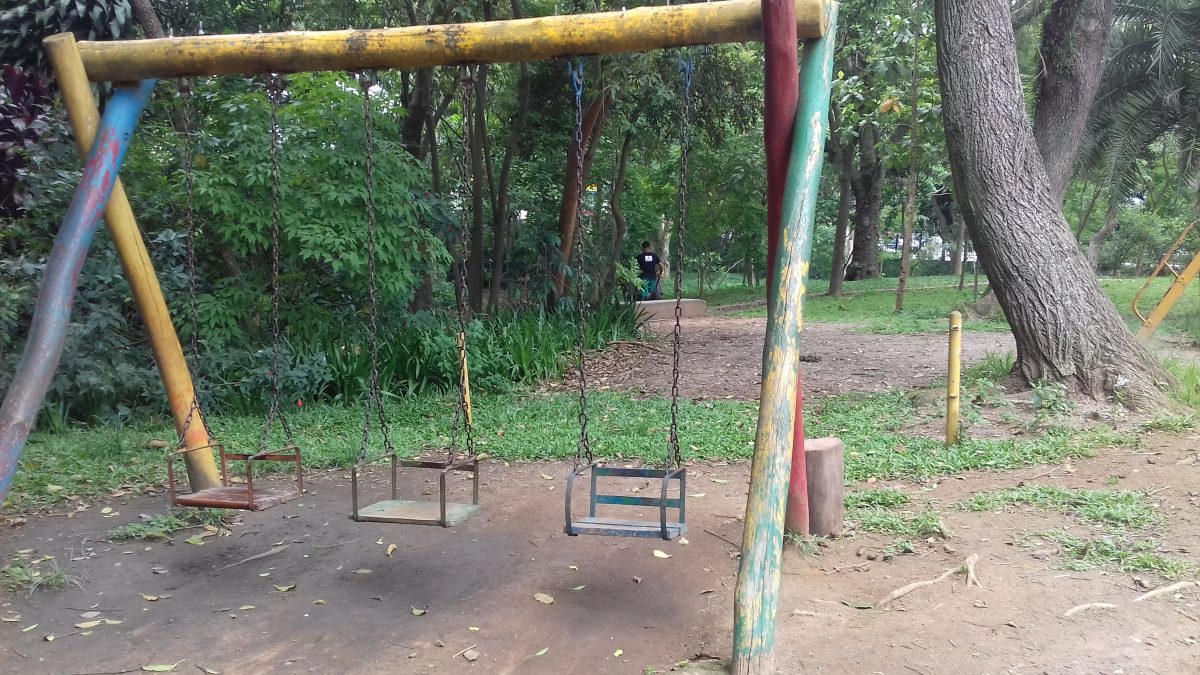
825 458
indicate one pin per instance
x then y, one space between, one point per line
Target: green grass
26 573
538 426
1117 509
1187 376
922 525
1184 318
161 526
993 367
1111 553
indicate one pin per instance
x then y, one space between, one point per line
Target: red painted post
782 94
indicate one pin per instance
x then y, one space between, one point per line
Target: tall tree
1066 328
1074 40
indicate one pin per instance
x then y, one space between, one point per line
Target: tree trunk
960 248
1065 328
1096 245
568 215
620 226
910 205
1074 44
837 271
500 216
146 17
868 206
1087 214
478 135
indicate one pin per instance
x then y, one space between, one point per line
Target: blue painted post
52 311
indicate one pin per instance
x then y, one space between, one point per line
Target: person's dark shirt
648 264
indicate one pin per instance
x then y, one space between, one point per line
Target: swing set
133 67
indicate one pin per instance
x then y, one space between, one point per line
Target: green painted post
756 599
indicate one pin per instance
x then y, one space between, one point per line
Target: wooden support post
826 485
952 378
412 47
135 261
756 598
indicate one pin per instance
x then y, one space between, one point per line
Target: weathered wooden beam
509 41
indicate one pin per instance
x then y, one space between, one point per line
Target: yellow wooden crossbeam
511 41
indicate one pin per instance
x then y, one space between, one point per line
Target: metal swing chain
375 391
275 94
584 448
185 114
688 67
466 186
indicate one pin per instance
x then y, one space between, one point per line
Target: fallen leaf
149 598
284 589
210 528
29 628
107 509
318 601
418 611
697 495
53 488
112 622
543 598
579 588
573 567
264 574
209 671
89 615
362 570
245 608
391 549
89 624
683 541
195 540
380 542
547 477
472 627
542 651
661 554
11 619
618 653
162 667
722 481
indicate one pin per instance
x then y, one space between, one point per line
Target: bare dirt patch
722 358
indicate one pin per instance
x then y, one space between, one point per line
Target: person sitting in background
648 267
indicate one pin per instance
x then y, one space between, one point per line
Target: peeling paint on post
52 310
756 599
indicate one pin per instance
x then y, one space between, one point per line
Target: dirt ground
349 607
723 359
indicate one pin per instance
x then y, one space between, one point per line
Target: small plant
1187 379
994 368
161 526
1170 423
1050 398
806 544
883 498
898 548
28 575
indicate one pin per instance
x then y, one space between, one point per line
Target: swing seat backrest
664 527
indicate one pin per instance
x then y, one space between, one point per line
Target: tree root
1085 607
967 566
1165 590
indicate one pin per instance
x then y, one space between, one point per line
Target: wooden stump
825 458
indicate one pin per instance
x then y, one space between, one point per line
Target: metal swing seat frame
673 473
442 512
229 495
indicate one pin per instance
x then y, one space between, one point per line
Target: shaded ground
722 358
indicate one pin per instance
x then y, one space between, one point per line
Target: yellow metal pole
953 377
1169 299
135 260
511 41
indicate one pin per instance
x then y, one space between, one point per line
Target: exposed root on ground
1165 590
967 566
1085 607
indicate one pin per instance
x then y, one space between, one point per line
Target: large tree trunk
1074 43
1066 329
1096 245
479 184
867 183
